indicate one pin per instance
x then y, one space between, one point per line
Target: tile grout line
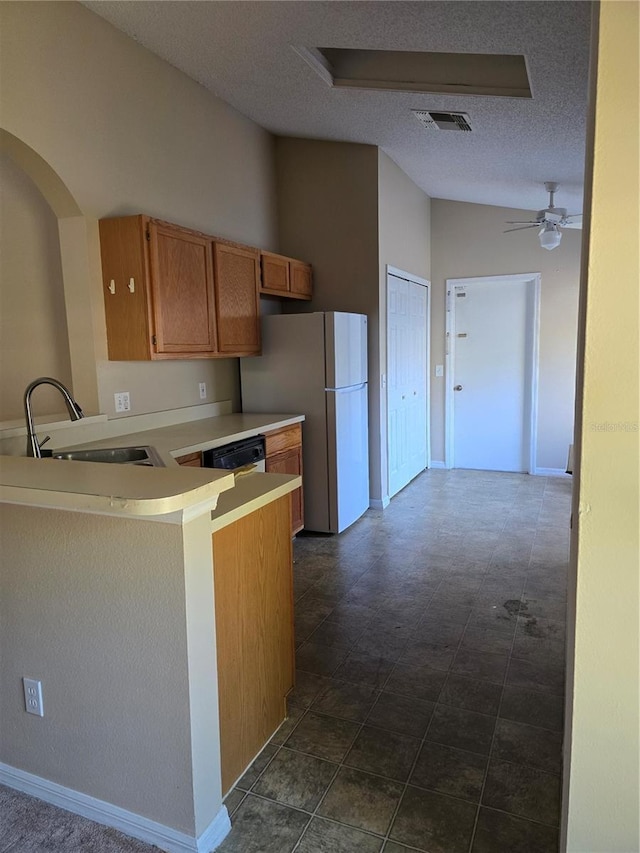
397 660
423 740
493 738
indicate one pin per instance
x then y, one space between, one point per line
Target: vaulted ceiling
245 52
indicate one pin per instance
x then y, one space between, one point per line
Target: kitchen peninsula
128 592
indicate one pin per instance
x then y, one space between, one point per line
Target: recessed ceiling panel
243 52
502 75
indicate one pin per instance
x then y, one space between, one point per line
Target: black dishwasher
236 454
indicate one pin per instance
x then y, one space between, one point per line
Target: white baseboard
551 472
436 463
215 833
376 504
129 823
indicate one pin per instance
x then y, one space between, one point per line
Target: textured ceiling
243 52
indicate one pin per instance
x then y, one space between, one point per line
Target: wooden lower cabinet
283 449
253 584
190 460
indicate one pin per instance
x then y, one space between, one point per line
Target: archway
80 262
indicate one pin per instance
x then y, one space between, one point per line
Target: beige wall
350 211
404 228
104 630
128 133
467 241
602 789
328 215
33 324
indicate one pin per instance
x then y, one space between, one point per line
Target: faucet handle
45 453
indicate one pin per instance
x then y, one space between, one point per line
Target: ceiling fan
550 221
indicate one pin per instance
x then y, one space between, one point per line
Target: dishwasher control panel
236 454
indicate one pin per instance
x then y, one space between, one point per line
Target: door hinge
448 300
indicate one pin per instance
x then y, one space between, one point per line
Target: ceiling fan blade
573 221
521 221
521 228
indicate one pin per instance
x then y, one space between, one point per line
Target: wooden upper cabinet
237 278
175 293
126 288
275 274
301 280
182 290
282 276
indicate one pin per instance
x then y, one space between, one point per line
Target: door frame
423 282
534 278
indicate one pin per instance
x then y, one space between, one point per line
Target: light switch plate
439 370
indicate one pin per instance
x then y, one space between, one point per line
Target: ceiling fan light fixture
550 236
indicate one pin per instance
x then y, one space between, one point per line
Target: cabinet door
284 456
275 274
125 274
190 460
237 279
301 281
252 569
182 289
290 462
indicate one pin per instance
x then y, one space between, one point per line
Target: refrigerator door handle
348 388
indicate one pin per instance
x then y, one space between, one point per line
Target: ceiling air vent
443 121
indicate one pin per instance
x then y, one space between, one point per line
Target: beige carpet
28 825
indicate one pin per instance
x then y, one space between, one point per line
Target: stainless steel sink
119 455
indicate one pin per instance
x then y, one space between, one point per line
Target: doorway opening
491 397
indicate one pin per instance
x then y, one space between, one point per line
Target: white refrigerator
316 365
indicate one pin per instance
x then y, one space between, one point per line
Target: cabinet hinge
153 340
147 234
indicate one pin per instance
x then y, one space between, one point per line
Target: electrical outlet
123 402
203 390
33 696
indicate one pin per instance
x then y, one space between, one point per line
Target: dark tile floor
428 708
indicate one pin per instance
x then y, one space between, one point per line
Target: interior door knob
457 387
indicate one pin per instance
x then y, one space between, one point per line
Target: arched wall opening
52 316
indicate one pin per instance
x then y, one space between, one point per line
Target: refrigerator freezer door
346 349
347 418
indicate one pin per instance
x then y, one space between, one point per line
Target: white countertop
251 492
194 436
101 487
143 491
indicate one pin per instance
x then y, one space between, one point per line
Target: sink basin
119 455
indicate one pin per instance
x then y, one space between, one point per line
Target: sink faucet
75 412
